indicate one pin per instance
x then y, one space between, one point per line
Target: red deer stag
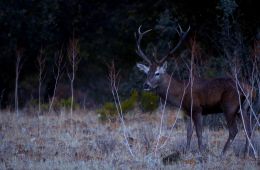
207 97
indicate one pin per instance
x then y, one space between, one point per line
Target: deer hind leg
189 133
197 119
232 128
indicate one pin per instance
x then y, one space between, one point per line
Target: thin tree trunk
39 96
59 66
41 65
54 93
73 54
17 73
16 94
72 96
72 81
74 61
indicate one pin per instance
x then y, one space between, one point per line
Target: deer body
211 95
199 96
204 96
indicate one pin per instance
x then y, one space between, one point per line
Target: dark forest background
105 31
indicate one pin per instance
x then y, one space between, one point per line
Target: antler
182 35
138 41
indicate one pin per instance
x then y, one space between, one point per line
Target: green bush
149 101
109 109
65 103
130 103
45 106
34 103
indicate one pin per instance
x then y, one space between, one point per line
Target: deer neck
175 90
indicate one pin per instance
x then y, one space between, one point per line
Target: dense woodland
105 34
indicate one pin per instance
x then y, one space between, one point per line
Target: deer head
154 74
156 69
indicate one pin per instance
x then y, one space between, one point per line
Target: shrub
65 103
34 103
109 111
45 106
149 101
130 103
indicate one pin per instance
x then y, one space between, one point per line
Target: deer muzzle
147 87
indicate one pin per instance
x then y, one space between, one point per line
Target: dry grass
57 142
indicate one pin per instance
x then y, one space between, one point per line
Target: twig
178 113
41 65
74 59
243 121
162 115
113 78
58 73
18 68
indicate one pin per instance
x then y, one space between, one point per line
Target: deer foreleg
189 133
197 119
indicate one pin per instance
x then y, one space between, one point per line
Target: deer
207 96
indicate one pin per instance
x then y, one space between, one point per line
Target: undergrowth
147 101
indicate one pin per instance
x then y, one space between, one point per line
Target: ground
81 141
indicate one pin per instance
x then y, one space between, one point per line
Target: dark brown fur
211 96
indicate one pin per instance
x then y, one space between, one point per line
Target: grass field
55 141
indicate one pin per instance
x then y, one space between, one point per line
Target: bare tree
243 108
41 66
74 59
18 67
113 77
57 71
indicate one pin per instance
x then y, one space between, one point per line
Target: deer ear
164 67
143 68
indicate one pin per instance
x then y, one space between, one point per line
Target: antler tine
182 35
177 30
155 55
181 31
139 30
138 41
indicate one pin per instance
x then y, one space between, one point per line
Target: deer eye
157 74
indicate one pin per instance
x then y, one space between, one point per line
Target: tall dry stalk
57 71
162 116
113 77
242 114
237 66
194 54
18 67
74 59
41 61
255 78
